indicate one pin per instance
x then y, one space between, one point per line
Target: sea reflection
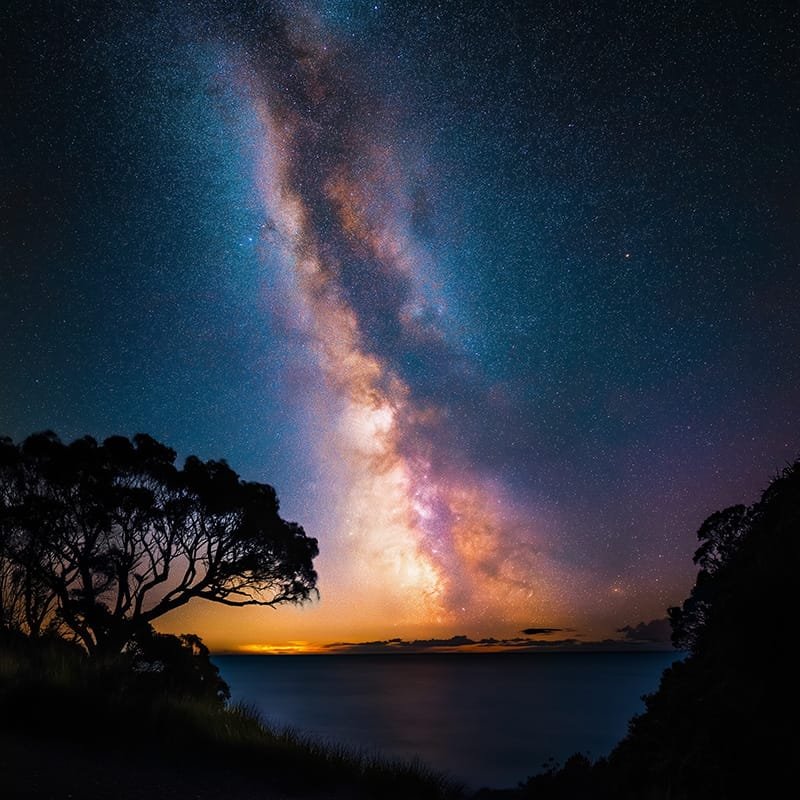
487 720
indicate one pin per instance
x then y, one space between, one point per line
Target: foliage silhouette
723 722
99 540
179 666
721 535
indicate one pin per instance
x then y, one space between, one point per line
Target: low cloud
542 631
400 645
653 635
537 644
454 644
657 631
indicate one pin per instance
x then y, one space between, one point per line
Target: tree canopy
723 722
99 540
744 555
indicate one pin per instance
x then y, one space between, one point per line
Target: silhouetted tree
721 535
27 603
723 722
99 540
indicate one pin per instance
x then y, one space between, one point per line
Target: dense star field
503 298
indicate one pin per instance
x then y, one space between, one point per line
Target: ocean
484 719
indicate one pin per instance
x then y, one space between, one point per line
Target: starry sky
503 298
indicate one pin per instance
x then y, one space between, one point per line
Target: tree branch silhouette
99 540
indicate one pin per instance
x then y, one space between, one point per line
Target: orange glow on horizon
287 648
415 540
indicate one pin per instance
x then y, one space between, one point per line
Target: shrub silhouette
177 666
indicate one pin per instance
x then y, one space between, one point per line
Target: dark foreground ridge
724 722
70 727
152 719
98 540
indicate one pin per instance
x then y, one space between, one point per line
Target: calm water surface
487 720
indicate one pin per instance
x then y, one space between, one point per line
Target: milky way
433 539
503 299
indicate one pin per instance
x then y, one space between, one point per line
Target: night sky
503 298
